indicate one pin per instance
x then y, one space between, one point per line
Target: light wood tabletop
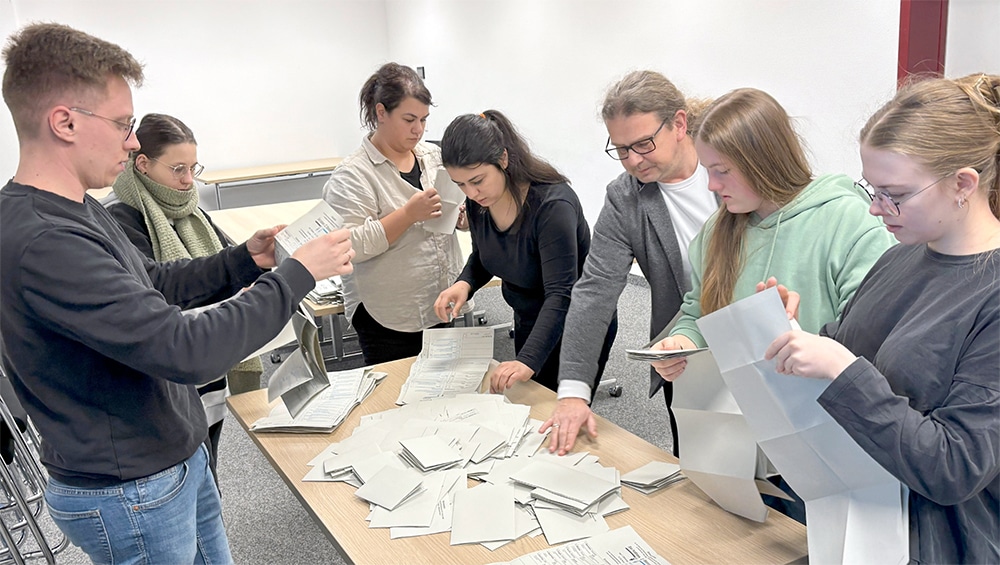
268 171
680 522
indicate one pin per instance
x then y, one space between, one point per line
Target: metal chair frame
22 502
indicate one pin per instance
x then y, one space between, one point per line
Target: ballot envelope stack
653 476
412 465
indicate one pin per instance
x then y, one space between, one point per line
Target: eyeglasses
884 200
126 127
641 147
179 170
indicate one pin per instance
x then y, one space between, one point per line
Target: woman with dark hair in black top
528 229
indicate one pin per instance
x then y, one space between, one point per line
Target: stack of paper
445 441
430 453
327 291
660 354
452 361
568 489
327 409
653 476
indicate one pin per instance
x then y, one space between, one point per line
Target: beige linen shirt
397 283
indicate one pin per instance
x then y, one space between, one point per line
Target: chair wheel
615 391
275 357
481 321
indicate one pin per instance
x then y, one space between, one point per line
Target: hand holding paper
450 202
261 247
789 298
328 255
807 355
451 300
670 369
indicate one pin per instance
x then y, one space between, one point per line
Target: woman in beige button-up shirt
384 192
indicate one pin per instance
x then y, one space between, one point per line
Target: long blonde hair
755 134
945 125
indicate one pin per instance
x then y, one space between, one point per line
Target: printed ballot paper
320 220
855 509
452 198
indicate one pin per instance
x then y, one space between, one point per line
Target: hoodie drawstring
774 242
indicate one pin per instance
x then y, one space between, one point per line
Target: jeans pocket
85 529
161 488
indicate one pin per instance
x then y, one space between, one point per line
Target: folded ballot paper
660 354
312 400
320 220
653 476
452 198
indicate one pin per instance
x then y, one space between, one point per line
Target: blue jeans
171 517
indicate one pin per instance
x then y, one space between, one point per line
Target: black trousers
380 344
548 376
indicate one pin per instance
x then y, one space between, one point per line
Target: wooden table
680 522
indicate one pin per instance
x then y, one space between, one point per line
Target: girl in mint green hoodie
777 223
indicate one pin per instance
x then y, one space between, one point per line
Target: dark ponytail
158 131
474 139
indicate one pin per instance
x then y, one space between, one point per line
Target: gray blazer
634 224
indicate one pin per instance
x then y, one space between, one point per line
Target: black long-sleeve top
923 398
538 262
97 347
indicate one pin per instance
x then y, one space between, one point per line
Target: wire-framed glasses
641 147
179 170
884 199
125 127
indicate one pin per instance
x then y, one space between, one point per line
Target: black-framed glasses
126 127
179 170
641 147
884 199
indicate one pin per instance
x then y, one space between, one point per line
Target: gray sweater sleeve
595 296
948 454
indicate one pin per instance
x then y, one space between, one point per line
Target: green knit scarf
189 236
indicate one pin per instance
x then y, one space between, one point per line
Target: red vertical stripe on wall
923 30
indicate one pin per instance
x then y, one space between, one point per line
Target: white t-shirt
690 203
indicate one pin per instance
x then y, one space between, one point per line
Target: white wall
258 81
264 81
973 44
547 65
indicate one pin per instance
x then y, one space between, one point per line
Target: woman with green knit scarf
157 206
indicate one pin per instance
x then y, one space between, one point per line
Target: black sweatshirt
95 343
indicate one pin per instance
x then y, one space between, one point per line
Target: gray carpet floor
267 525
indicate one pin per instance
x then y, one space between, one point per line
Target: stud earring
961 202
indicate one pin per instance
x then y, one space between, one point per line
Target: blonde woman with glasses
915 358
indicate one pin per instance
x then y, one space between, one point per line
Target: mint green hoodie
821 244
